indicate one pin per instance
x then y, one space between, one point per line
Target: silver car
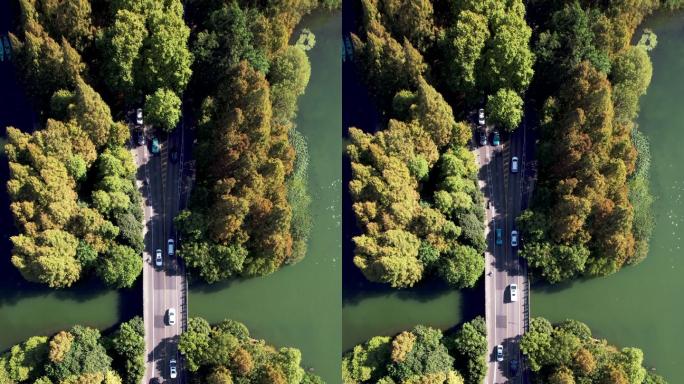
172 316
173 373
514 164
514 292
158 258
139 116
514 238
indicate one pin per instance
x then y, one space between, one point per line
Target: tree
166 59
507 60
462 266
70 19
194 343
60 345
220 375
505 108
391 257
121 47
129 345
86 356
288 75
121 267
49 258
412 19
163 109
92 114
562 376
464 43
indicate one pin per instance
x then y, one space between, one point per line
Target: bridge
164 180
506 195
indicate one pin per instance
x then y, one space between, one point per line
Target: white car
173 373
139 116
499 353
481 116
158 258
514 164
171 247
514 292
514 238
172 316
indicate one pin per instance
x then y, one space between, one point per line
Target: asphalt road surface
504 199
161 183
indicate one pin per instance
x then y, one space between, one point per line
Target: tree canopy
422 355
248 214
71 185
225 353
414 183
568 353
79 355
591 211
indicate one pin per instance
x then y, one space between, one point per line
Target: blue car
497 139
8 47
155 146
499 236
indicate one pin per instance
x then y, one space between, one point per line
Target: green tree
505 108
163 109
194 343
129 344
121 47
166 59
70 19
86 356
288 75
121 267
464 43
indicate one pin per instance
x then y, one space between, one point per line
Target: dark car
141 137
514 368
483 137
173 155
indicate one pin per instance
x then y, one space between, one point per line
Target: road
506 195
163 187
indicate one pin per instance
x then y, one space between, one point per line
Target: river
641 305
300 305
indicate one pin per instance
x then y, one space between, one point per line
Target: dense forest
248 213
422 355
414 183
225 353
567 353
591 209
78 356
72 181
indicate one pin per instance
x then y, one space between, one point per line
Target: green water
641 305
300 305
44 312
388 313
